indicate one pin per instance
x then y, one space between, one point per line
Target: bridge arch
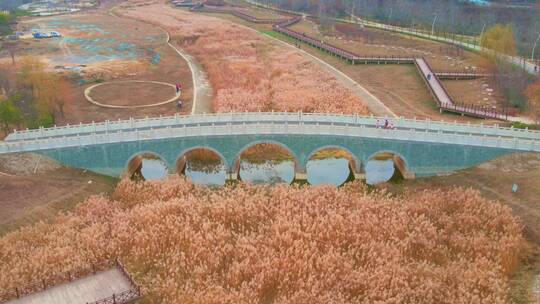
134 163
316 173
399 162
181 161
235 169
354 161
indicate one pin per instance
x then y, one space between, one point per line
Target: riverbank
35 188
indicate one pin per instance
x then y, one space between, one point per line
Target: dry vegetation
249 72
281 244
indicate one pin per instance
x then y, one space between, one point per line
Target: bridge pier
399 163
233 174
300 176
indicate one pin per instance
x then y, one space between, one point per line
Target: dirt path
202 90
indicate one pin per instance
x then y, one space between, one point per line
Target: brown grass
248 71
188 244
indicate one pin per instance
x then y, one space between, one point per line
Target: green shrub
521 125
10 115
44 119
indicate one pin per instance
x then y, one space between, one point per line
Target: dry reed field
248 71
281 244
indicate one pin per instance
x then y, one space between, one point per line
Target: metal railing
234 124
464 74
68 276
128 296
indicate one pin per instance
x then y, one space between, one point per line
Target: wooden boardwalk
85 290
461 75
433 82
431 79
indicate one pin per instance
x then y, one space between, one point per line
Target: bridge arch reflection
203 164
323 163
147 165
266 161
385 165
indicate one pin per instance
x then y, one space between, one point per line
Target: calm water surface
153 169
330 171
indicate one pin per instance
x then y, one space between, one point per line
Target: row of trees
32 97
520 89
12 5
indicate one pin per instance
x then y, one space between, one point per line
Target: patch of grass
20 13
521 125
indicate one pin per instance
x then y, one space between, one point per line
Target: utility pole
433 24
352 10
482 35
534 47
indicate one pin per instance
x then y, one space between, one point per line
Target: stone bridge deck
426 147
22 138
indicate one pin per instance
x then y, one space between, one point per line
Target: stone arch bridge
419 147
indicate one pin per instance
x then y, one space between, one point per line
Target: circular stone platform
127 94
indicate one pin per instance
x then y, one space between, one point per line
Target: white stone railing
232 124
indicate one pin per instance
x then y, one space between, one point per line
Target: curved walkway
91 100
202 90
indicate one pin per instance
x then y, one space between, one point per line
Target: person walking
177 88
180 104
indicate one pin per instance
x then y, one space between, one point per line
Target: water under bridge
419 147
